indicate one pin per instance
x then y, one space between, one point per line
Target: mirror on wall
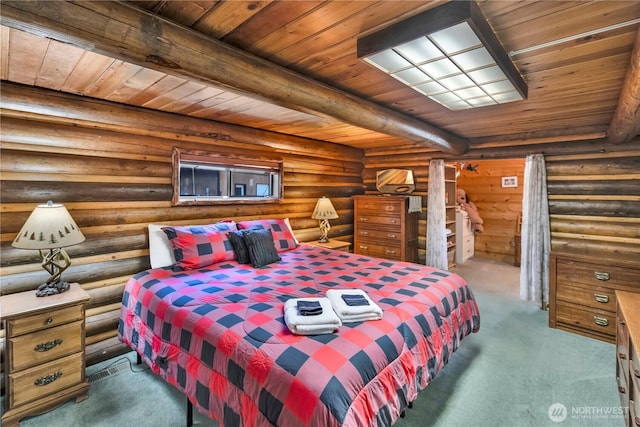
395 181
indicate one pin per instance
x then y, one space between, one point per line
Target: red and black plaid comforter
218 335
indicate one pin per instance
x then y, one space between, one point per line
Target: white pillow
286 221
160 250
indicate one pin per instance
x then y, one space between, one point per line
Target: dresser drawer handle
364 248
392 221
601 298
47 379
622 389
601 275
392 236
364 233
622 356
600 321
46 346
364 219
390 252
48 321
636 372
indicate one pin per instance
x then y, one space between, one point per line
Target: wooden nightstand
44 357
338 245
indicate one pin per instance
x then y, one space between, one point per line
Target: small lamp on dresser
50 227
324 211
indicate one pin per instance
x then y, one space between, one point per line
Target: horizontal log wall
499 207
593 187
594 201
111 167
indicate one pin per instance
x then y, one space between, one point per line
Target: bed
217 333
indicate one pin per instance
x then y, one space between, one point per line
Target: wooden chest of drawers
628 355
44 358
384 228
582 291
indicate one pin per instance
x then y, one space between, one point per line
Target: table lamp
324 211
51 227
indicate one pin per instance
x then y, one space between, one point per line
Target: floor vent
108 372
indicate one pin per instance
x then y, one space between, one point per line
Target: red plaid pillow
201 245
282 236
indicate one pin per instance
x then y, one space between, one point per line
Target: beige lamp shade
49 226
324 209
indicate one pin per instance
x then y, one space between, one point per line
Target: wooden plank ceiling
574 82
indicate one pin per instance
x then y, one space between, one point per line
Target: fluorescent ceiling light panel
412 76
449 54
456 39
419 50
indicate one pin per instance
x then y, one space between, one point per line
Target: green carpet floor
509 374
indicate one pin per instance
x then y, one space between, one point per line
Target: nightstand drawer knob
601 275
600 321
46 346
601 298
47 379
48 321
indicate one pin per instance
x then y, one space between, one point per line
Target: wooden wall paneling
267 21
225 16
594 201
499 207
110 165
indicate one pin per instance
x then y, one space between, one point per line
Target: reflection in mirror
395 181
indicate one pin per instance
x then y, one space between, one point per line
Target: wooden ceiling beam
626 120
125 32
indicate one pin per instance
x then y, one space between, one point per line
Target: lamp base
324 230
53 288
55 262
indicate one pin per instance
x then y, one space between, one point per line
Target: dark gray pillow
262 249
239 247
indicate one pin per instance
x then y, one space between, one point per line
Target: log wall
594 201
593 187
111 167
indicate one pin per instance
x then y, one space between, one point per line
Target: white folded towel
355 313
324 323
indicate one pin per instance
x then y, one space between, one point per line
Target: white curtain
436 217
536 236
